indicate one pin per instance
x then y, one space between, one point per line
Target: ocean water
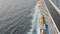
15 16
57 3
